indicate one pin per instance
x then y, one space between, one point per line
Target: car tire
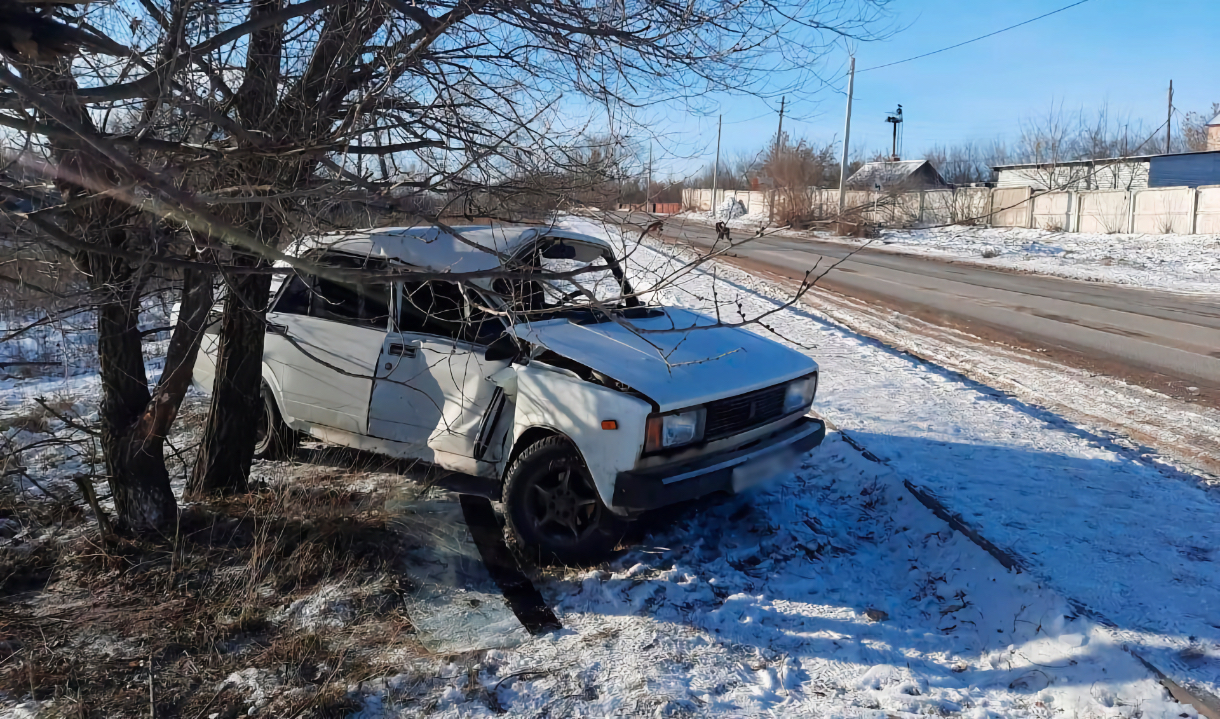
273 439
552 508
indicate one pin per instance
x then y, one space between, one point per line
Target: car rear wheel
553 510
272 438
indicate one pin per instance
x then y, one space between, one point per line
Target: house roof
482 247
1101 160
888 174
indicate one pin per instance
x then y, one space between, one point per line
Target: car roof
432 248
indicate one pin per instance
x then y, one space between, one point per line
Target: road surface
1161 340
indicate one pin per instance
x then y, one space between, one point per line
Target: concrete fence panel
1105 212
1152 211
1207 217
1052 211
756 201
1010 206
1164 210
937 207
971 205
792 202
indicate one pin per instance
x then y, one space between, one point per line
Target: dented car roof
481 247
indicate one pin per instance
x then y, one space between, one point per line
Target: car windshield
599 278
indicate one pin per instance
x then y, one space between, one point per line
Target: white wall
1181 210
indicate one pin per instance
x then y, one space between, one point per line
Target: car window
440 308
544 295
356 304
597 278
433 308
362 304
294 299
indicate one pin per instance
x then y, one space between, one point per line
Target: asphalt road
1150 337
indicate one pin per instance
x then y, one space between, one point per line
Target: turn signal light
609 424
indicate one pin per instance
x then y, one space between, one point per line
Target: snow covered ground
833 592
1180 263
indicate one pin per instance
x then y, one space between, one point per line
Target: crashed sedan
587 405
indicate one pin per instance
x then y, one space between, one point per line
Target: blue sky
1120 52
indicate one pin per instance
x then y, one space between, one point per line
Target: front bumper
649 489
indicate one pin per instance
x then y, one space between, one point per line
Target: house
1113 173
898 176
1213 134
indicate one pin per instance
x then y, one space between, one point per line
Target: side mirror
503 348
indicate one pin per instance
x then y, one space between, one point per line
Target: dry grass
82 623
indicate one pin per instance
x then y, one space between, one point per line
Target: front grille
744 412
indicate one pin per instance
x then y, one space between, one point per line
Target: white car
587 417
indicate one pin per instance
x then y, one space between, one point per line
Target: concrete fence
1162 210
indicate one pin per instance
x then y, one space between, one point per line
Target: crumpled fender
543 396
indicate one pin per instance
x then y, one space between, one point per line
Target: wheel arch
530 436
277 393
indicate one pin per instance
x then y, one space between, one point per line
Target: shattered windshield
599 282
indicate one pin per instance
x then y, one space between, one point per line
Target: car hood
674 364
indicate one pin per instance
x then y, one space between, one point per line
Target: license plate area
764 468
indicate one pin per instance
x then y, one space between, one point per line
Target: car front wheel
553 510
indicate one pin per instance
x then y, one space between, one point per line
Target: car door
432 382
323 341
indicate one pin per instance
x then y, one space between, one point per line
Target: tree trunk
227 450
132 445
135 467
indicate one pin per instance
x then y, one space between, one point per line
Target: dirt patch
272 604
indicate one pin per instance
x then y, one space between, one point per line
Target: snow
1178 263
730 209
332 606
1181 263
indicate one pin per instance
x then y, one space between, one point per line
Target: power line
980 37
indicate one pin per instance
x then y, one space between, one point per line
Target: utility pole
716 167
775 158
1169 121
896 120
851 86
648 187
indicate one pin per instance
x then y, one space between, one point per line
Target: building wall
1078 177
1187 170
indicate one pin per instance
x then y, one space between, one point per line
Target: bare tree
187 138
1194 129
965 163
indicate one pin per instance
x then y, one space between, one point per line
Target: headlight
800 393
673 430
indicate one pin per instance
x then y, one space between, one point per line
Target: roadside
1158 414
1116 528
1177 263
